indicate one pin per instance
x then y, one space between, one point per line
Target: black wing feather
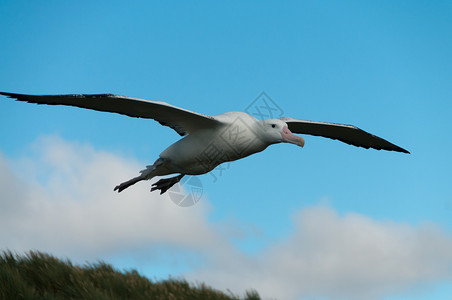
181 120
348 134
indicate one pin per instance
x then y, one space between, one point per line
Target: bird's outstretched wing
181 120
345 133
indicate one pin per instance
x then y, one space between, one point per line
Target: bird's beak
289 137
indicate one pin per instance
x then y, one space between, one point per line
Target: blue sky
382 66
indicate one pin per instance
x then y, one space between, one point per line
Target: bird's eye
273 125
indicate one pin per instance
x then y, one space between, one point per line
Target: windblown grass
36 275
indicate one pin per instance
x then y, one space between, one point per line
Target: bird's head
277 131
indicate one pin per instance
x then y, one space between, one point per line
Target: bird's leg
128 183
164 184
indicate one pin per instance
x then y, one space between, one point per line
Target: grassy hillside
37 275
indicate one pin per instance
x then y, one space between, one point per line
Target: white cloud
60 199
349 257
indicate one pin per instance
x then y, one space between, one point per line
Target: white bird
208 140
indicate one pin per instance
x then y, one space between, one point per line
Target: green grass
36 275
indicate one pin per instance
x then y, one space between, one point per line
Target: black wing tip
14 95
390 147
18 97
398 149
393 148
404 151
9 95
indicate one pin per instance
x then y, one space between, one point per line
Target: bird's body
209 141
236 137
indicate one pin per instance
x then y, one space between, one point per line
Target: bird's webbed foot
164 184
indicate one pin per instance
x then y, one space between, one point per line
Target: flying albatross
208 140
